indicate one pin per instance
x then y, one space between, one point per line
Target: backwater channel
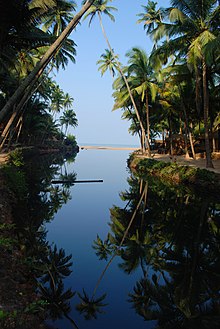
128 252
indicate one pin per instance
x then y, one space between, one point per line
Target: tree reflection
36 202
90 306
174 240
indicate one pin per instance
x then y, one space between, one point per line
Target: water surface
76 226
164 240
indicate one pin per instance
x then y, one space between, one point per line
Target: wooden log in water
77 181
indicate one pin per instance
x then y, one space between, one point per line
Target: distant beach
103 147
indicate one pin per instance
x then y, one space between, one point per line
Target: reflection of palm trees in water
90 306
46 265
186 296
56 266
175 241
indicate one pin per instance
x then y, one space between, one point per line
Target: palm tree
68 119
41 65
194 35
107 62
90 306
99 7
142 79
55 21
58 17
68 101
152 18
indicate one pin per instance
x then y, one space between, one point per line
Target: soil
17 292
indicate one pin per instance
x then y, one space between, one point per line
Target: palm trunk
16 113
19 125
129 90
189 133
136 125
209 163
41 64
191 142
185 141
147 116
170 136
187 127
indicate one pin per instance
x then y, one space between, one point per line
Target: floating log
77 181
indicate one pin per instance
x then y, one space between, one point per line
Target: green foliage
103 248
6 242
160 165
4 315
206 175
72 139
16 181
6 226
16 158
90 306
36 306
174 172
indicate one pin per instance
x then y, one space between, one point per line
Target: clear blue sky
92 93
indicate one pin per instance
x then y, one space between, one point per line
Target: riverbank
179 159
182 160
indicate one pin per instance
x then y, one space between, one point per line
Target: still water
130 252
76 226
145 253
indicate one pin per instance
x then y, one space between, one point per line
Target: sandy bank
182 160
91 147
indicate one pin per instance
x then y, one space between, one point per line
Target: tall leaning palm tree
59 16
98 8
42 64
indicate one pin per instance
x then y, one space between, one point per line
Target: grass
174 172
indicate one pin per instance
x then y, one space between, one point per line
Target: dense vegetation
32 270
167 235
34 44
176 174
173 91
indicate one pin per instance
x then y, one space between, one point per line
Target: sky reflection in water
76 226
171 250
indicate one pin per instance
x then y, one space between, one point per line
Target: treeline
34 44
173 91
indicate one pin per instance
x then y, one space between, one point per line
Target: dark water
130 252
76 226
167 268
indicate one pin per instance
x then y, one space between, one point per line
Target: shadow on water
168 234
34 267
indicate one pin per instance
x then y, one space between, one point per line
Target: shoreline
96 147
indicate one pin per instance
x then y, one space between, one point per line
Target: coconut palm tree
141 72
59 16
68 119
193 34
41 65
90 306
151 18
98 8
107 62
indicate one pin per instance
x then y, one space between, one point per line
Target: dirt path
180 159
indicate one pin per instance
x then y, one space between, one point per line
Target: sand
200 163
91 147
